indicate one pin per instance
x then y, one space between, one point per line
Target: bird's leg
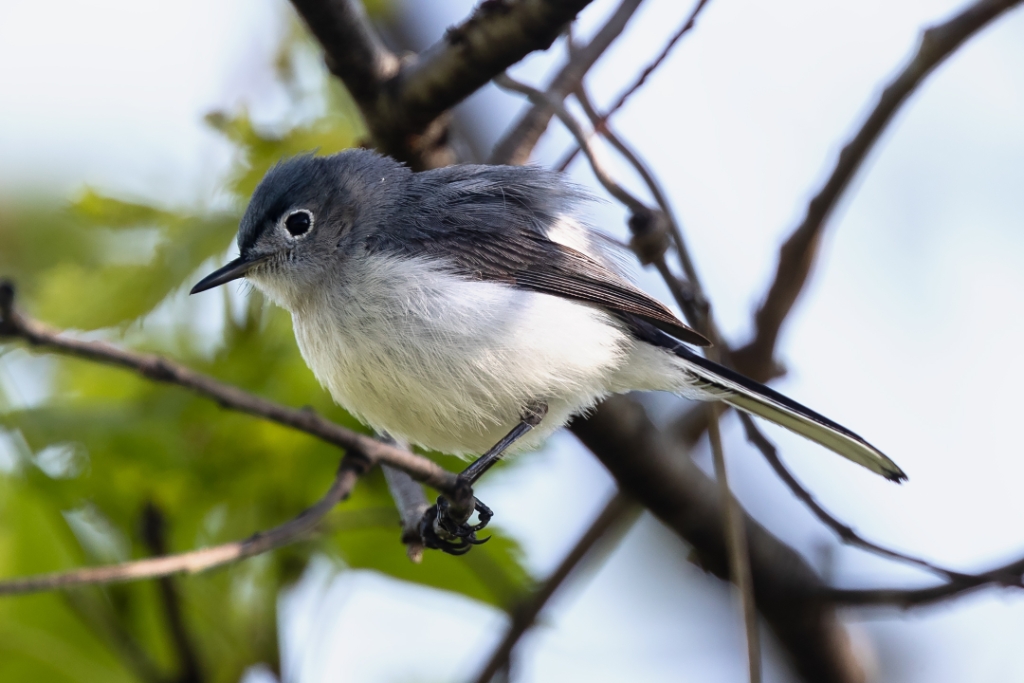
530 418
444 525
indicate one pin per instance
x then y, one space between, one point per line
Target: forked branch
404 102
521 137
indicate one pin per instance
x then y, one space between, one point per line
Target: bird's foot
441 529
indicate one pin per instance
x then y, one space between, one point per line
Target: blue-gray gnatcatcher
470 306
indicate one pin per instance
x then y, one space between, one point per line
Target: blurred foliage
81 462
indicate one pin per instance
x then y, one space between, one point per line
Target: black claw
440 532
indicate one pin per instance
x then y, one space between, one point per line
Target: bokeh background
131 135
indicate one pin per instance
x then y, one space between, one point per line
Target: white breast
449 364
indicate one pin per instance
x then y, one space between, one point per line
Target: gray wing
491 223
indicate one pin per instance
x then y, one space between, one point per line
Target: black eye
299 223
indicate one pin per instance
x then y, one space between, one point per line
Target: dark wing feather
573 275
490 223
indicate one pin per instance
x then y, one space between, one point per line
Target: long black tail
755 398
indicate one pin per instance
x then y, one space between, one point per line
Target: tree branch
607 528
521 137
797 255
1010 575
957 584
657 474
154 534
405 110
600 172
690 298
650 243
737 547
354 52
844 531
411 503
14 324
690 22
497 35
352 467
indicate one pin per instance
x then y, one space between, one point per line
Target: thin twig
844 531
15 324
644 75
631 156
154 535
649 226
411 503
692 300
958 583
739 562
604 532
522 136
352 467
736 540
799 252
659 474
1010 575
569 121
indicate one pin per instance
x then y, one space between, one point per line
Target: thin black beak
232 271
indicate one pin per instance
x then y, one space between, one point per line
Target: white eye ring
298 223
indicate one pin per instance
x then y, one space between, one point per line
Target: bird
472 309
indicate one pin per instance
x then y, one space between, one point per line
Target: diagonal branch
659 475
691 298
687 26
154 535
797 255
404 102
352 467
15 324
522 136
1010 575
496 36
354 52
738 549
957 583
650 243
539 97
844 531
411 504
607 528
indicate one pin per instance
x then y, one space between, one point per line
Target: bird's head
299 224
